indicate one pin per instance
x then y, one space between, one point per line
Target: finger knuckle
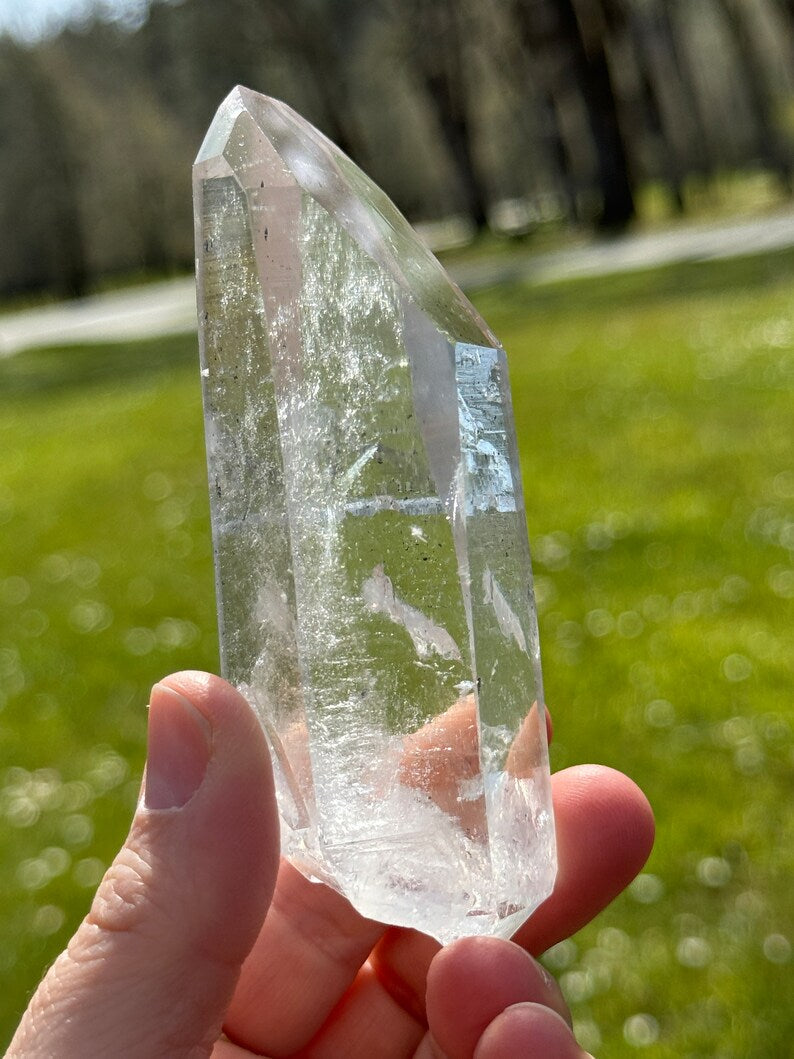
122 902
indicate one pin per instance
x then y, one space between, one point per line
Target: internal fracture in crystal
372 565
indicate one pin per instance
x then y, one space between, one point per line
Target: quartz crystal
373 575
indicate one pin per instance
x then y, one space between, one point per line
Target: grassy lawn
655 423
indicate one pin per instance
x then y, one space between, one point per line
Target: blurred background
509 113
611 182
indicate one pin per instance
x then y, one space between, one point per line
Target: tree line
565 109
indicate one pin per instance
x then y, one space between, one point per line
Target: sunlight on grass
654 416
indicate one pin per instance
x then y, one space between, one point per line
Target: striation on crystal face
372 566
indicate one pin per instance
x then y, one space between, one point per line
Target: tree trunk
61 179
552 26
323 39
667 113
771 148
436 51
535 69
557 153
687 130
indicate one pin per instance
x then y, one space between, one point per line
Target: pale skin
199 944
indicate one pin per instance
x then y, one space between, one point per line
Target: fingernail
179 748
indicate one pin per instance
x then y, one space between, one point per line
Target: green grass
655 423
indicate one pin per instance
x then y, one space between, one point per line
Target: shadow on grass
42 371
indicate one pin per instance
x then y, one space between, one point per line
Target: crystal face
373 575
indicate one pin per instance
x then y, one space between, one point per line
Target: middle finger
307 955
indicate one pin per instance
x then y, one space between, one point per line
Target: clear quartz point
373 575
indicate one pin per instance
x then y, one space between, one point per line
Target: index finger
605 832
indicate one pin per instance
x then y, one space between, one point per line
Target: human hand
176 959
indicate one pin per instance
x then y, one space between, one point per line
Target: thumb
152 968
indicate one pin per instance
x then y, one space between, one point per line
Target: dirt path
169 307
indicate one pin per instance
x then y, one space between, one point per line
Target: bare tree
322 36
54 245
568 49
772 149
435 42
667 70
661 121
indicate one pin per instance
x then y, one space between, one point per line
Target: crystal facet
373 575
